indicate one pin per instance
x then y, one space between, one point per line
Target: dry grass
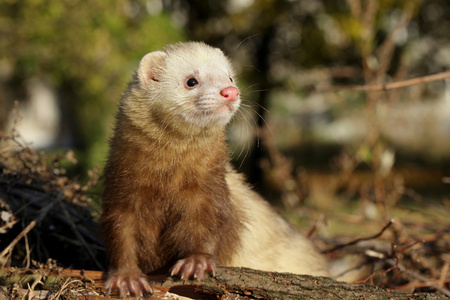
44 214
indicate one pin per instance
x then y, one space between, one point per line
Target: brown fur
170 193
166 199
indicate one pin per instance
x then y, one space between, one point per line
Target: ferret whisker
250 106
241 115
262 107
252 67
244 40
260 91
249 89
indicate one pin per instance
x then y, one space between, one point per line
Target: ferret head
189 86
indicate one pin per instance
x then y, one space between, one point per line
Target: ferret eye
231 79
191 82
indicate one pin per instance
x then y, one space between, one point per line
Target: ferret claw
194 267
128 284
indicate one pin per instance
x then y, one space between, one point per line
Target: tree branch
387 86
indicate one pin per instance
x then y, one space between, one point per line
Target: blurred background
301 140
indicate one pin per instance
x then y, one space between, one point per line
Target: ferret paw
194 267
129 284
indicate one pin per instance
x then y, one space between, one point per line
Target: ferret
171 197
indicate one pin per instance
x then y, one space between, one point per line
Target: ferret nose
230 93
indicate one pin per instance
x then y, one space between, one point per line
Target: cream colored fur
269 242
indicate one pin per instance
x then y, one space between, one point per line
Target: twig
444 271
28 252
61 289
360 239
8 225
64 286
385 51
371 276
410 245
79 236
320 220
394 263
387 86
18 238
420 284
419 277
33 286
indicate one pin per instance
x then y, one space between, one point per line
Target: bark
242 283
228 284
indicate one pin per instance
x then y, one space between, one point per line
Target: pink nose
230 93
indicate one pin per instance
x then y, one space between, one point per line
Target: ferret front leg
124 271
196 238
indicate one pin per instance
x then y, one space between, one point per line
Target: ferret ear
149 67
